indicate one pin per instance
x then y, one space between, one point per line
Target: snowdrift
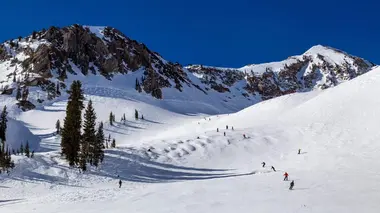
17 134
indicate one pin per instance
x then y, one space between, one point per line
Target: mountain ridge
49 58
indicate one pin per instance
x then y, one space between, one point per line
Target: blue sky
220 33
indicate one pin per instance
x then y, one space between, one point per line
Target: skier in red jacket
286 176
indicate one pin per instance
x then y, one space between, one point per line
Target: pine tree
18 93
57 90
82 161
99 146
3 128
21 149
27 149
138 86
111 119
58 127
88 142
71 132
113 145
14 76
136 115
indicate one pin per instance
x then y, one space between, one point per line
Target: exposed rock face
320 67
104 51
47 58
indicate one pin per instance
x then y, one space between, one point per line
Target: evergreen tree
111 119
136 115
14 76
99 146
21 149
3 128
18 93
124 117
82 161
71 132
88 142
58 127
138 86
27 149
113 145
57 90
19 38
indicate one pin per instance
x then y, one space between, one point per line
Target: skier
263 164
244 136
299 151
291 185
286 176
232 128
120 183
226 126
217 129
224 133
273 169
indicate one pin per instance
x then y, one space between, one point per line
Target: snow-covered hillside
178 162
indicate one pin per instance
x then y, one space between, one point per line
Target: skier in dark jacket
226 126
299 151
263 164
291 185
224 133
273 169
120 183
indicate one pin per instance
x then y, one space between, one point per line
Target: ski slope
193 168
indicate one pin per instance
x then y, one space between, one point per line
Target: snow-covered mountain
49 60
318 68
200 145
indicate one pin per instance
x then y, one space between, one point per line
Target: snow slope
193 168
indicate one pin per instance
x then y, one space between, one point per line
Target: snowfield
176 161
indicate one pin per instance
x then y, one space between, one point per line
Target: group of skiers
286 175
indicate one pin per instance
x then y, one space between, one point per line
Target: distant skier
217 129
286 176
273 169
263 164
120 183
224 133
232 128
244 136
291 185
226 126
299 151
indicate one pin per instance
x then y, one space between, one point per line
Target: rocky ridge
46 60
